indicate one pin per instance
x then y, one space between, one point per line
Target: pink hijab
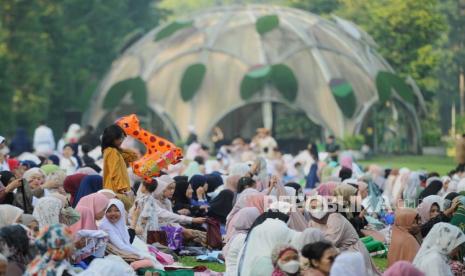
346 161
88 207
403 268
241 223
257 201
326 189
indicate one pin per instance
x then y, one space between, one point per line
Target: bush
353 142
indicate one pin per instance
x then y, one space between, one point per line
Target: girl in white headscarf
115 225
441 243
255 256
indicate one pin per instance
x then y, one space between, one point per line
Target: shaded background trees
53 53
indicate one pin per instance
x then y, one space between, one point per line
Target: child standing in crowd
68 162
115 163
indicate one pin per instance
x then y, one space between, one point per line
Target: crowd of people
76 208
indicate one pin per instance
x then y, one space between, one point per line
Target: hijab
89 184
31 172
9 214
403 268
326 189
110 265
118 232
55 246
346 191
413 183
87 171
264 237
295 186
241 224
221 205
71 185
231 182
425 207
403 246
433 188
349 264
14 244
309 235
433 254
196 182
88 207
47 211
214 181
257 201
180 199
163 182
277 253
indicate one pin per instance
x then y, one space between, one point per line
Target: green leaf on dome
192 80
172 28
266 23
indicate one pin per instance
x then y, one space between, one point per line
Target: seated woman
442 243
166 216
55 247
91 208
200 187
357 219
9 214
242 223
143 214
14 243
114 224
183 199
221 205
320 256
264 236
71 185
339 230
404 246
431 212
89 184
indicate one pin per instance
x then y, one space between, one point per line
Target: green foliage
344 95
407 32
460 124
192 80
321 7
172 28
353 142
134 86
266 23
295 125
55 53
386 81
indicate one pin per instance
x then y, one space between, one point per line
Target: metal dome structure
193 72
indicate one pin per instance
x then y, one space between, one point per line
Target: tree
55 53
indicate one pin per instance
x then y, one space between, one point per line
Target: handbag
174 236
214 239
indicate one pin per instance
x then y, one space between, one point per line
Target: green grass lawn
191 261
381 263
438 164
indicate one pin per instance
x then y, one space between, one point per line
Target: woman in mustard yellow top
115 163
